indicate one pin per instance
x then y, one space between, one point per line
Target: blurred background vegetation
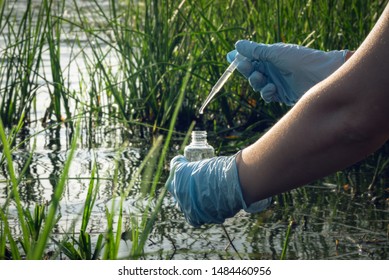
152 42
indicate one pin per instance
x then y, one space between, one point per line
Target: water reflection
329 223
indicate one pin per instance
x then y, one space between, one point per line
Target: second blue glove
284 72
208 191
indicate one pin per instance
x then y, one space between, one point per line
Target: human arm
337 123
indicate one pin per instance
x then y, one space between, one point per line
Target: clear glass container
199 148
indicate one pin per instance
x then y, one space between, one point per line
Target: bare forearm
336 124
295 152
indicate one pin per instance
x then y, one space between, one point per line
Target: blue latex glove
284 72
208 191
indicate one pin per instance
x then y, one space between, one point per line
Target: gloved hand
284 72
208 191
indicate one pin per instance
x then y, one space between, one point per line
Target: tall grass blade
90 199
54 42
7 234
147 223
112 239
35 221
286 241
14 183
51 215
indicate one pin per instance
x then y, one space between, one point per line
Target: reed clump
135 54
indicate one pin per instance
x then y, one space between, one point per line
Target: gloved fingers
177 160
259 66
252 50
262 52
257 81
173 188
246 68
269 93
231 55
169 182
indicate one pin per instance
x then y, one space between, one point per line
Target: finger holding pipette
284 72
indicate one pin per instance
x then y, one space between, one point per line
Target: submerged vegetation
145 67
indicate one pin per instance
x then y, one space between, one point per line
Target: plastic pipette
222 80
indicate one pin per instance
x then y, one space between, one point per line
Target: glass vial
199 149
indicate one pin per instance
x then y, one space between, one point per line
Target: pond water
329 222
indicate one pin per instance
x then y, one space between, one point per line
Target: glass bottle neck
199 137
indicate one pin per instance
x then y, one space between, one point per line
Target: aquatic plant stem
149 222
15 191
286 241
230 241
37 253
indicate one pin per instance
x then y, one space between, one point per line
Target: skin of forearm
348 55
337 123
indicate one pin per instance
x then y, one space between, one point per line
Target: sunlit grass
150 45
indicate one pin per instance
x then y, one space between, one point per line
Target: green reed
287 240
53 35
15 192
82 248
25 37
37 227
21 58
34 235
150 42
